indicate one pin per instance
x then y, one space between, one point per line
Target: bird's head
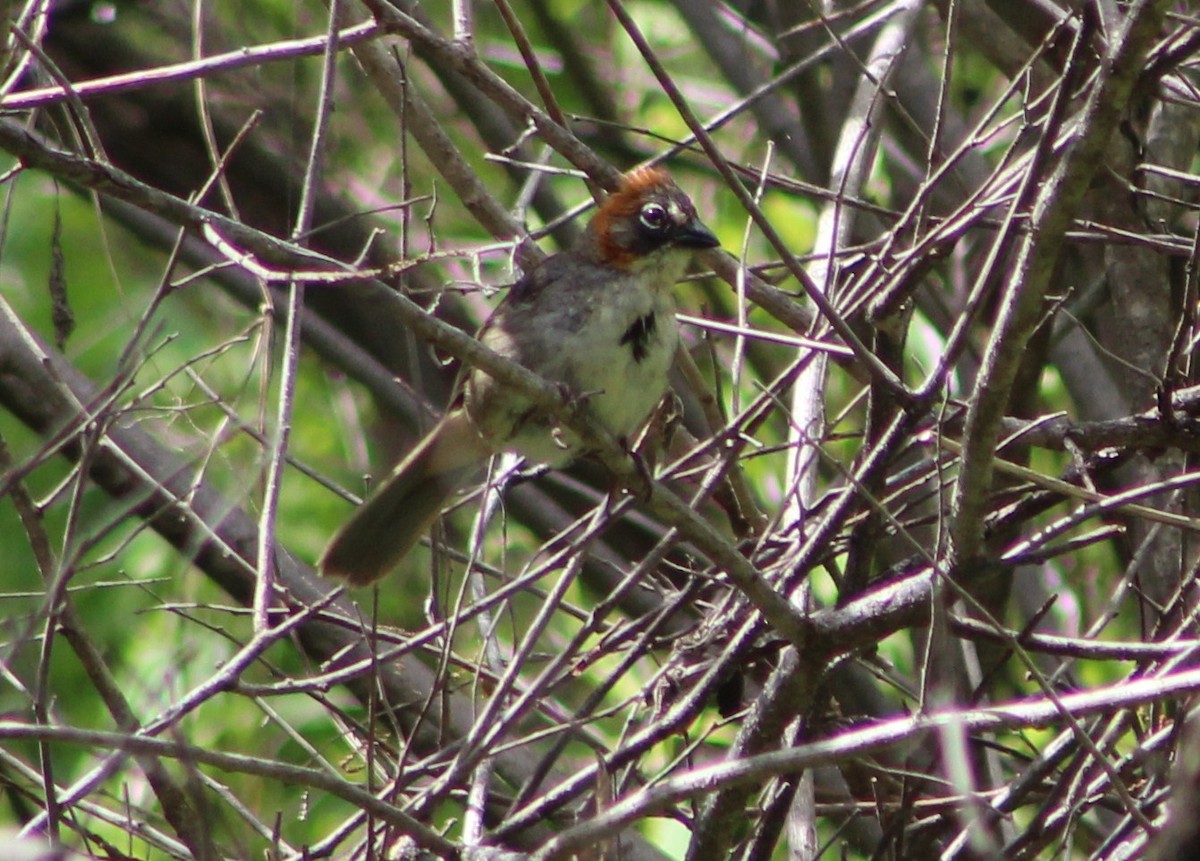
647 221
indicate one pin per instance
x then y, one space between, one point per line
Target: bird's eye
654 217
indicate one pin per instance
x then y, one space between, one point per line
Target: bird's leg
654 438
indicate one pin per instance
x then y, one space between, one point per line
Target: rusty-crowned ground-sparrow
597 319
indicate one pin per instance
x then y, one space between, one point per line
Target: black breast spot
637 336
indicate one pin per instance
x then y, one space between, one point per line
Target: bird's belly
622 358
619 385
619 390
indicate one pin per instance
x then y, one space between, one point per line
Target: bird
597 319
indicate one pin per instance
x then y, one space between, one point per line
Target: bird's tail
392 520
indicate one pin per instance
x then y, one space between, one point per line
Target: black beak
696 235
